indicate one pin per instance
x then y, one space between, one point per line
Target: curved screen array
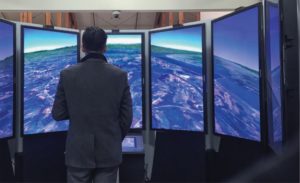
125 50
236 59
273 67
45 53
177 84
7 61
177 75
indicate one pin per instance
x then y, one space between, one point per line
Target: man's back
99 107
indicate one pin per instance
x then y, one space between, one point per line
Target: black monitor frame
14 80
204 60
266 3
262 90
135 130
22 75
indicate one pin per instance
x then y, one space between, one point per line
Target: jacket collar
97 56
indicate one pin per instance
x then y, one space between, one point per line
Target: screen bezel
279 5
22 75
261 74
203 26
14 80
142 34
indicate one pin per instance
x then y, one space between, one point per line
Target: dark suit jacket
95 97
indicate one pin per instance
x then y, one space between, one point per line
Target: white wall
213 15
129 5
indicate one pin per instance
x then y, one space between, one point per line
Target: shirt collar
99 56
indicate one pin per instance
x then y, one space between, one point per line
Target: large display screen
236 60
177 84
125 50
45 54
273 67
7 61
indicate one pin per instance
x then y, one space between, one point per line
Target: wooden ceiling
105 20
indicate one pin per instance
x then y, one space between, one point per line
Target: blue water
237 107
6 97
128 142
177 89
41 75
129 59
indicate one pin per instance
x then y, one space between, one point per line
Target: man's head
94 40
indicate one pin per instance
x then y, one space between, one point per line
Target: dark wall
6 170
43 158
282 168
179 157
235 155
132 168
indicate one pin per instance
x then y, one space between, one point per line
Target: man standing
95 97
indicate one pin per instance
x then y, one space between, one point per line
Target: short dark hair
94 39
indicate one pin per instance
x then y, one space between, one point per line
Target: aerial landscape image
6 79
125 52
236 75
273 72
177 79
128 142
46 53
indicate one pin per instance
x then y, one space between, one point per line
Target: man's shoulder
116 69
76 67
71 68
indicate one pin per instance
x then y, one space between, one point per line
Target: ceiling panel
127 5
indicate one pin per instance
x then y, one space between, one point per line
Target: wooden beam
3 15
157 20
198 16
73 21
58 19
171 18
47 18
163 21
67 20
136 20
181 17
21 17
26 16
29 17
94 19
